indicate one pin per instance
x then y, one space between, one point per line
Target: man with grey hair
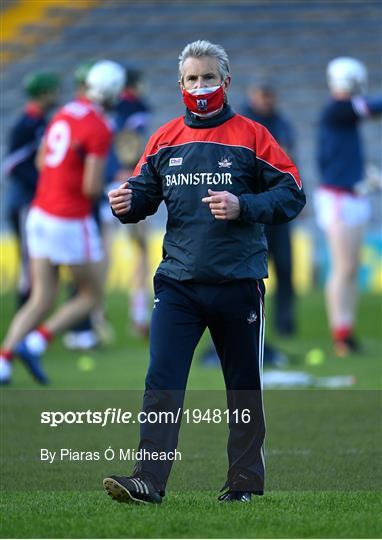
201 49
222 177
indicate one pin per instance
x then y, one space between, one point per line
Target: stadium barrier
309 256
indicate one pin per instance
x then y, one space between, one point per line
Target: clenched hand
120 199
223 204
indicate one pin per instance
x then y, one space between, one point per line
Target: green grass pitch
295 505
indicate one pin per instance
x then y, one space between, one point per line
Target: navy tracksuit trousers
234 314
280 249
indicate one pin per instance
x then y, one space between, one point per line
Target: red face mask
204 100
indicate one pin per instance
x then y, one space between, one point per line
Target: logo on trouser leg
252 317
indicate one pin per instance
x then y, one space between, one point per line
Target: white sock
5 369
36 342
140 312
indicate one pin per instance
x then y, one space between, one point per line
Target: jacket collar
194 121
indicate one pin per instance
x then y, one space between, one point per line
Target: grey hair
202 47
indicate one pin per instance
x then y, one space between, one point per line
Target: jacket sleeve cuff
123 218
246 213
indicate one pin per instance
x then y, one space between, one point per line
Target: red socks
342 332
8 355
46 334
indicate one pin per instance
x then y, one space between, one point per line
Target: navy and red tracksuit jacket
340 156
227 152
24 139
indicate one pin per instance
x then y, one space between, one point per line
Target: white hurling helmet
105 82
346 74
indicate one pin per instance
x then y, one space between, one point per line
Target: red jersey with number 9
78 130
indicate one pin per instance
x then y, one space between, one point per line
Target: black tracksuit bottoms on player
233 312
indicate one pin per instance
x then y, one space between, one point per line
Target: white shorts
333 206
105 214
61 240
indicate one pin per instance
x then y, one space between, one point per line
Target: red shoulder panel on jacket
237 131
270 152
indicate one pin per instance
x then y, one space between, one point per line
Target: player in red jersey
60 227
